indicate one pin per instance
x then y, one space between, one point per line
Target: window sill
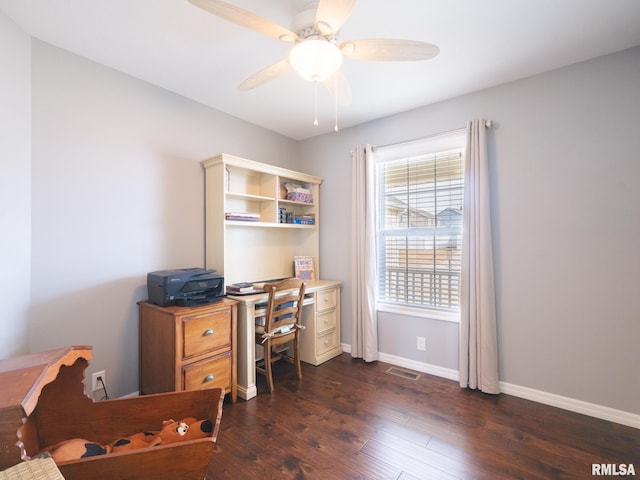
419 312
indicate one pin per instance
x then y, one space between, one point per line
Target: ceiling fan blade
338 86
331 15
246 19
265 75
388 49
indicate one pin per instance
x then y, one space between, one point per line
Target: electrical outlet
422 344
95 383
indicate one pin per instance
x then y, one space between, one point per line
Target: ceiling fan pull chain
335 100
315 103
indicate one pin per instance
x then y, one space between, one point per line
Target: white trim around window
429 314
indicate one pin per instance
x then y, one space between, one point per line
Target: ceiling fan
316 54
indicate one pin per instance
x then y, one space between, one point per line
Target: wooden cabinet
320 340
254 251
188 348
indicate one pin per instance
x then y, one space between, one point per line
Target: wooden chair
282 325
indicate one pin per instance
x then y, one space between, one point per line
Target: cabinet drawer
325 300
206 332
213 372
326 321
327 341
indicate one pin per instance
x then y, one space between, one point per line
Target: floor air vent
403 373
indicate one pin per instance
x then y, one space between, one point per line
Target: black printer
186 287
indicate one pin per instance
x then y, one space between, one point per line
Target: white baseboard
419 366
551 399
412 364
578 406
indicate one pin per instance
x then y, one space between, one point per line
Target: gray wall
15 187
103 183
117 191
566 210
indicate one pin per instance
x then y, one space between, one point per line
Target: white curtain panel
364 323
478 332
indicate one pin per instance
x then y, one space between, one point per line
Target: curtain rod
487 124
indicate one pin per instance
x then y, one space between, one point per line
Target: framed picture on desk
303 268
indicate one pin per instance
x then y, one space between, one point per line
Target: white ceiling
177 46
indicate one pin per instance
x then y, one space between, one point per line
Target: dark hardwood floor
347 419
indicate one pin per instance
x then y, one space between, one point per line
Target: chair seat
281 329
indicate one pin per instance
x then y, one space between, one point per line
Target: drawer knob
207 332
326 320
208 378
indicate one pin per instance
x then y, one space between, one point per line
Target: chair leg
267 365
296 357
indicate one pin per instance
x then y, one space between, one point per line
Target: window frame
453 140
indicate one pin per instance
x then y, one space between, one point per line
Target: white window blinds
419 207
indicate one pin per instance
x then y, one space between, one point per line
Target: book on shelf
303 267
305 219
242 216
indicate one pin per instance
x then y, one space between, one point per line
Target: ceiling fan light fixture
315 60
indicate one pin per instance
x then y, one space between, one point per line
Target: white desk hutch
263 250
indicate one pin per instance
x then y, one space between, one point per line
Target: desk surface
261 297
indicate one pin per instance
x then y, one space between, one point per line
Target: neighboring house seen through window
420 189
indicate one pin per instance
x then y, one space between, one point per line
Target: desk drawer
213 372
325 300
206 332
327 341
326 321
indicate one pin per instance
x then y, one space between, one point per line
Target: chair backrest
284 308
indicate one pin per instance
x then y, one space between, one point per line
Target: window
419 196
